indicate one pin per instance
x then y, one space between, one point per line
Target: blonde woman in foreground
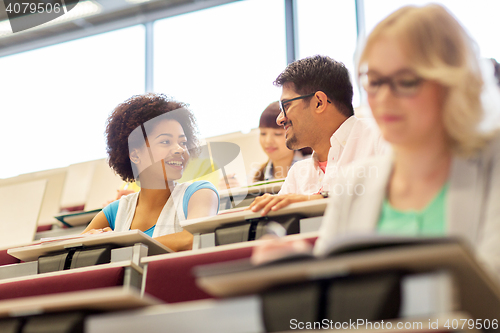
422 76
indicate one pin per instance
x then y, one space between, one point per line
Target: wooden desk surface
105 299
256 189
205 225
245 315
124 238
419 258
34 277
222 248
479 291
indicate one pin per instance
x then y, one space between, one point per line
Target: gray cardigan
472 202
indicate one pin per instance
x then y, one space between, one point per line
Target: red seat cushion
171 279
7 259
44 285
45 227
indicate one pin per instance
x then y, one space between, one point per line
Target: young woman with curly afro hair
149 140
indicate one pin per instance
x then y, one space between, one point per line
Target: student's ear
321 101
134 157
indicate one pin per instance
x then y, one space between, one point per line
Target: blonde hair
440 49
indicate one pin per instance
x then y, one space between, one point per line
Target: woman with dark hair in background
273 142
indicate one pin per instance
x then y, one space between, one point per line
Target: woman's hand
274 248
97 231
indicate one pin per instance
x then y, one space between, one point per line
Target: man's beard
292 143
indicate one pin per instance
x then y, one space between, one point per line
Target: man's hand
268 202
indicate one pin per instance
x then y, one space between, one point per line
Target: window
222 61
479 17
55 100
328 27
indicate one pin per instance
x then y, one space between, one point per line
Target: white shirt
355 139
269 170
168 221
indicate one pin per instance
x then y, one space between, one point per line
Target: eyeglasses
404 83
286 101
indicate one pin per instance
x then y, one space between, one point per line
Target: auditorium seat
60 282
170 278
7 259
44 227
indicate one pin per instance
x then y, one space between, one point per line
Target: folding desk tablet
243 196
238 315
241 225
170 277
66 312
91 272
382 282
120 239
267 298
79 254
241 315
234 315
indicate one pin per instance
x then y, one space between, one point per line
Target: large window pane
222 61
55 100
479 17
328 27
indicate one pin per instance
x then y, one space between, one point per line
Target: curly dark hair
133 113
320 73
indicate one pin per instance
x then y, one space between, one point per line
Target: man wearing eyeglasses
317 112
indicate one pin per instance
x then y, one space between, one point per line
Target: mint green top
428 222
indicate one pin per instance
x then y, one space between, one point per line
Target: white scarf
168 221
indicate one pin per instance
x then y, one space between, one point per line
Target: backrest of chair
252 154
53 191
171 279
20 206
7 259
103 186
60 282
77 184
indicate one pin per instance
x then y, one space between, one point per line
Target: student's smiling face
298 121
272 141
168 149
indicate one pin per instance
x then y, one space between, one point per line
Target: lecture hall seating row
161 272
